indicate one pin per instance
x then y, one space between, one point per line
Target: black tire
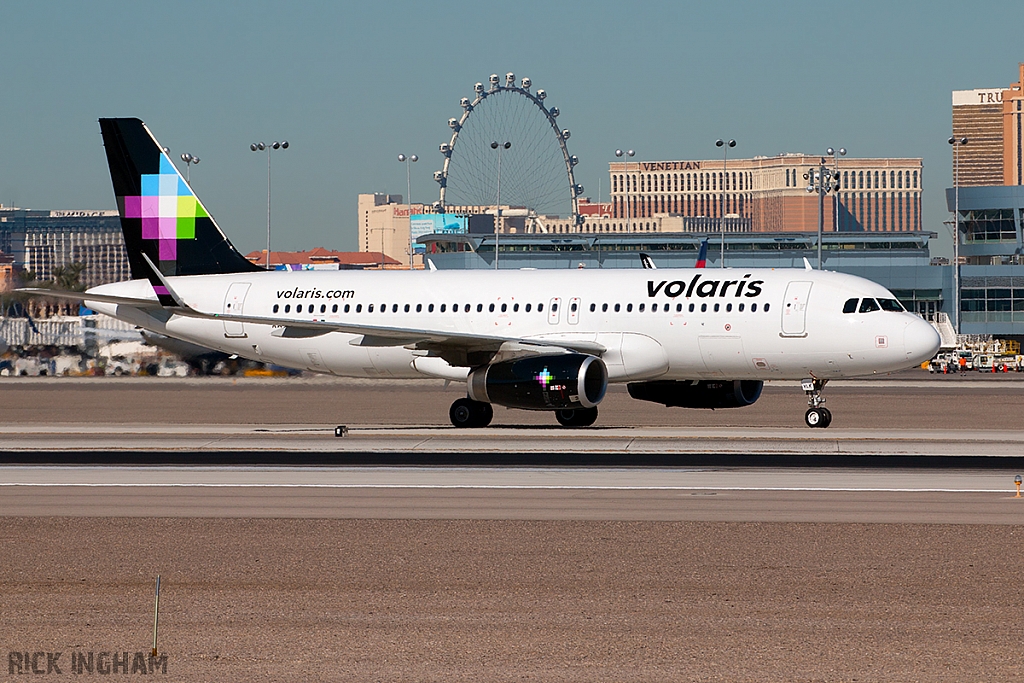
583 417
485 413
827 414
466 413
814 418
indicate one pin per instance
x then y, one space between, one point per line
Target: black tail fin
160 215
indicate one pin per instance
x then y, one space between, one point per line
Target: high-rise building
991 119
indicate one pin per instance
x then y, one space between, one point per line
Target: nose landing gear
816 415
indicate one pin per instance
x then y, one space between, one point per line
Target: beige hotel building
763 194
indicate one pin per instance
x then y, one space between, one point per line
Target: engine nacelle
703 394
562 382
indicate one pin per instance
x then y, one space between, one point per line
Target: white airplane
535 340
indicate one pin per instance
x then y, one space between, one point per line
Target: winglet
164 291
430 265
807 264
647 262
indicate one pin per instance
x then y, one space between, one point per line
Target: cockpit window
891 305
850 306
868 305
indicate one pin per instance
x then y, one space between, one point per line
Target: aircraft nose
920 341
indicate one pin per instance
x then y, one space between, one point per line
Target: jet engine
559 382
703 394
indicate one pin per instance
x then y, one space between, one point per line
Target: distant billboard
433 223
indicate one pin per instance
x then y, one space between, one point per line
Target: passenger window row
407 308
667 308
504 308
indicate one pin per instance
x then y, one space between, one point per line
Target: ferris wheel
507 148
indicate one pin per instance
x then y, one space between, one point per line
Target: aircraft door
233 304
553 312
794 309
574 310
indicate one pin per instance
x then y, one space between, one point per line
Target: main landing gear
817 415
582 417
469 413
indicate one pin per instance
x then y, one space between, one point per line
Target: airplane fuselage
651 324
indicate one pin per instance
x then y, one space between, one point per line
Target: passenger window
347 308
491 308
868 305
407 308
394 308
323 308
703 308
479 308
540 308
430 308
691 308
850 306
528 307
617 307
753 308
716 307
654 308
593 307
298 309
515 308
419 307
572 307
728 308
359 308
334 308
554 308
504 307
741 308
629 308
466 309
287 308
369 308
604 308
455 308
276 307
641 308
443 306
766 308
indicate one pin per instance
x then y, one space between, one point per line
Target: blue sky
351 85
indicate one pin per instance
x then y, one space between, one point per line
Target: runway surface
678 494
654 547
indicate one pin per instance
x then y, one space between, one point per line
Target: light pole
725 175
189 160
497 220
823 180
408 161
625 177
957 143
260 147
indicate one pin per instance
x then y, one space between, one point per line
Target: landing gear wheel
818 417
827 414
582 417
468 413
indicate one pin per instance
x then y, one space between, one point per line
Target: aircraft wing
86 296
